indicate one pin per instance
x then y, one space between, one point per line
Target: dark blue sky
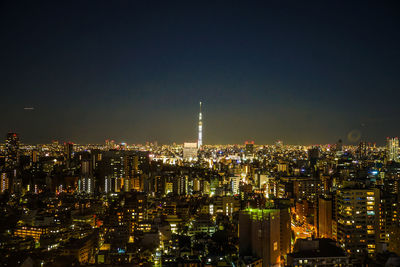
303 72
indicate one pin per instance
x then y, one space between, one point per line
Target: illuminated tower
200 142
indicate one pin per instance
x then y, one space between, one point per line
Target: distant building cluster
117 204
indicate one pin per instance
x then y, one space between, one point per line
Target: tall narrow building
12 163
358 222
259 232
200 141
86 181
68 153
392 149
325 217
12 151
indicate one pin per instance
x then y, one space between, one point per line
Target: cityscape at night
200 133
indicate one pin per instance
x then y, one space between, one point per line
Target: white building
190 151
235 181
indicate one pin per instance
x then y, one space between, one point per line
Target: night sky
134 71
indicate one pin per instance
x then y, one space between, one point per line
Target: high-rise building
362 150
358 220
159 184
86 181
392 149
12 162
12 151
111 169
325 217
235 182
285 229
259 235
68 152
135 209
200 141
123 170
180 185
261 179
249 149
189 151
4 182
132 176
387 215
313 155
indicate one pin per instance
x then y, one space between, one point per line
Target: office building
235 183
362 150
68 153
249 149
12 151
392 149
133 179
190 151
86 182
180 185
325 217
259 235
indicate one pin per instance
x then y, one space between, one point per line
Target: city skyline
276 142
301 72
68 204
354 137
199 133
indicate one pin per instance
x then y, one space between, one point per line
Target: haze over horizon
304 73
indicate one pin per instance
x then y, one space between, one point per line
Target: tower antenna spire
200 141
